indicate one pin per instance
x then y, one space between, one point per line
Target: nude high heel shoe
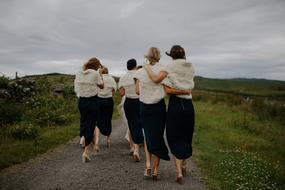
85 158
108 143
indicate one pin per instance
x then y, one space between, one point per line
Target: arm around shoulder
156 78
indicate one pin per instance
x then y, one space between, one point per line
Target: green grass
237 150
17 151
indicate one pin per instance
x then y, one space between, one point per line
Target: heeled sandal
184 171
180 180
147 173
136 157
155 176
85 158
108 144
96 148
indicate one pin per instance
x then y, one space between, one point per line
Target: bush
11 112
23 132
4 81
48 111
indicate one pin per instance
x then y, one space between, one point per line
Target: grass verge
17 151
237 150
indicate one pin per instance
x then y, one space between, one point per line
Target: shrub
4 81
11 112
23 132
48 111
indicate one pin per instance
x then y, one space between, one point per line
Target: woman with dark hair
153 113
132 106
179 74
86 85
105 106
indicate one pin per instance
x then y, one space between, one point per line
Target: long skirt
153 117
180 126
132 111
88 108
105 106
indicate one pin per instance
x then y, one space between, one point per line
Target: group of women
148 118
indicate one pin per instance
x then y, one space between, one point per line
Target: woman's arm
137 87
101 86
156 78
174 91
122 91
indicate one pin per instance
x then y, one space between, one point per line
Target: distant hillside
239 86
242 86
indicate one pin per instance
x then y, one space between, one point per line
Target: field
239 135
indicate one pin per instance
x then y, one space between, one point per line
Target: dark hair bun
131 64
176 52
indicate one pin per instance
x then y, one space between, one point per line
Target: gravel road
111 169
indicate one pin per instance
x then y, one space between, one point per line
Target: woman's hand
174 91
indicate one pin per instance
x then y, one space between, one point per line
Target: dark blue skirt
153 118
105 108
180 127
132 112
88 108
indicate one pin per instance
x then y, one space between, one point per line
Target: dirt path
110 169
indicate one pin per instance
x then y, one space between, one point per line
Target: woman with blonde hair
179 74
86 85
105 106
153 113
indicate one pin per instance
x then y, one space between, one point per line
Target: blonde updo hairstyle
92 63
153 55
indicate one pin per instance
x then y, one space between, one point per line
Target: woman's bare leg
108 142
131 143
136 155
148 162
178 164
184 166
96 139
156 162
85 155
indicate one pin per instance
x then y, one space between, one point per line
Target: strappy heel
136 157
180 180
184 171
85 158
147 173
155 176
108 144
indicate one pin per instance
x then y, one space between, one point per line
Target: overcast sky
222 38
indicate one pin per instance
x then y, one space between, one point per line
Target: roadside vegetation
239 144
239 135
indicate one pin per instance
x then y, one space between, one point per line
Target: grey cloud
222 38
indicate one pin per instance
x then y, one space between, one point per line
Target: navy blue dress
88 108
180 126
153 118
104 123
132 112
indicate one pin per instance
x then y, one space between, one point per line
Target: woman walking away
132 106
87 83
105 105
128 137
153 113
179 74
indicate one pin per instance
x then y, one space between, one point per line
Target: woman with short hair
132 106
105 106
179 74
86 85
